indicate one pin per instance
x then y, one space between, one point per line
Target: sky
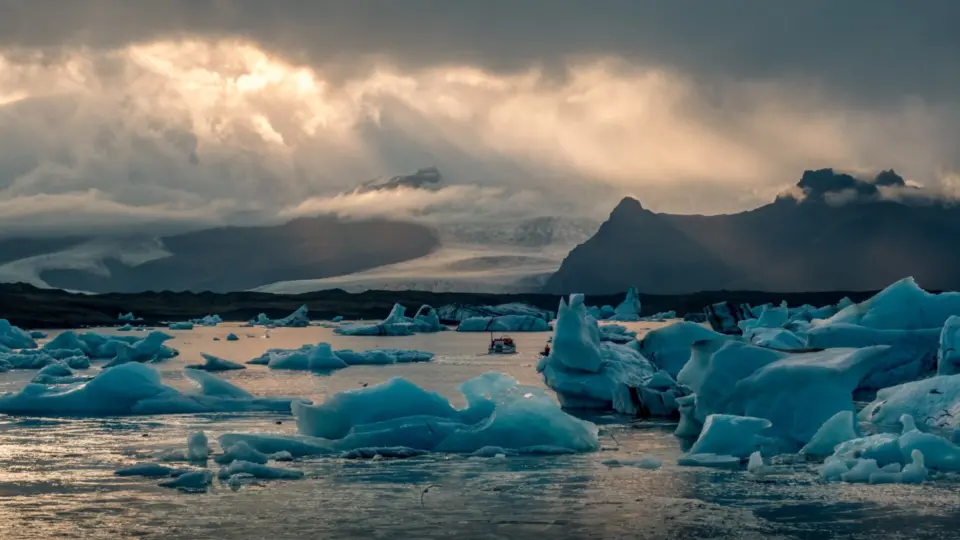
139 115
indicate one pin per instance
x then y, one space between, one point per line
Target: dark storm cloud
872 50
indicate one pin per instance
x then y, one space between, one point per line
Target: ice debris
191 481
724 434
12 337
180 326
128 317
840 428
134 389
257 470
714 461
208 320
460 312
644 462
37 334
215 363
397 324
198 448
241 451
504 323
232 337
500 412
297 319
321 358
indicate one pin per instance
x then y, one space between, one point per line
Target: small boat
502 345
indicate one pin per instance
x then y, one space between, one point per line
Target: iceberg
948 355
198 448
461 312
149 470
669 347
12 337
901 306
321 358
180 326
297 319
57 373
587 373
939 453
125 328
935 400
629 309
232 337
714 461
257 470
797 392
209 320
133 389
128 317
147 349
242 451
215 363
504 323
660 317
397 324
500 412
737 436
37 334
724 317
616 333
191 481
840 428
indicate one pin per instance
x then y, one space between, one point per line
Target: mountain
219 260
832 232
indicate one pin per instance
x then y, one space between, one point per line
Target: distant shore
30 307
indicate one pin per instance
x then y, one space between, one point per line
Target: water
56 475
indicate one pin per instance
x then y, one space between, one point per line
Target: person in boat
546 349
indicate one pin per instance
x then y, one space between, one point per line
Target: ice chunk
500 412
338 318
840 428
37 334
948 356
730 435
860 473
180 326
281 456
57 373
148 470
321 358
504 323
238 480
297 319
709 460
128 389
903 305
211 385
757 467
669 347
13 337
915 472
629 309
616 333
460 312
936 400
834 468
191 481
198 448
939 453
645 462
258 471
125 328
232 337
589 374
389 452
128 317
209 320
884 448
724 317
215 363
242 451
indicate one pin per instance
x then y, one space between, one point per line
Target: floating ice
500 413
149 470
258 471
645 462
130 389
669 347
125 328
198 448
616 333
660 317
709 460
12 337
840 428
939 453
948 355
128 317
297 319
37 334
884 448
861 471
180 326
460 312
389 452
148 349
757 467
629 309
281 456
903 305
935 400
724 317
797 392
215 363
730 435
209 320
338 318
587 373
321 358
211 385
504 323
242 451
57 373
397 324
191 481
232 337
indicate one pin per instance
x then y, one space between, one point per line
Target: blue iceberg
297 319
323 359
12 337
397 323
500 412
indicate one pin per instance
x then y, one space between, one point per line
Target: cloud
174 123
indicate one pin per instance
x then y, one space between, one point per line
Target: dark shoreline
29 307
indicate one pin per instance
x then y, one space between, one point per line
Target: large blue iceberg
322 358
500 412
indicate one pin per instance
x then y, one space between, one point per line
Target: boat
502 345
